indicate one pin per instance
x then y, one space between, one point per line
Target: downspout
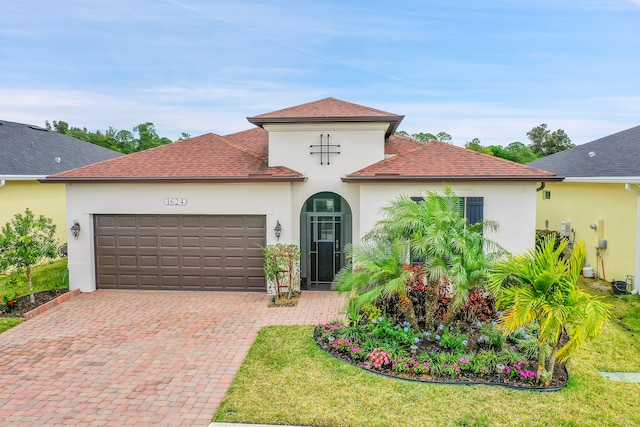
542 185
636 279
2 183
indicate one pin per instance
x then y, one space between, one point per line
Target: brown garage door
180 252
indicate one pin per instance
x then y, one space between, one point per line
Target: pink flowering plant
378 358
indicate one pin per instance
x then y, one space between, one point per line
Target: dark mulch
559 380
23 304
284 301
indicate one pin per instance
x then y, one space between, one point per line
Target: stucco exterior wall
42 199
512 206
84 201
361 144
610 207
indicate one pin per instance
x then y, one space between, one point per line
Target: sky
490 69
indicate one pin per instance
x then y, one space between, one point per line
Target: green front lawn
287 379
45 277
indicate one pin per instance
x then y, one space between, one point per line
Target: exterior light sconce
75 229
593 226
278 230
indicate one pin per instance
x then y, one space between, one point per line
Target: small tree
282 268
540 286
26 241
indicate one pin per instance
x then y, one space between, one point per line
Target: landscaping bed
502 364
22 305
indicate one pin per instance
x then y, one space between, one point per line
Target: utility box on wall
565 228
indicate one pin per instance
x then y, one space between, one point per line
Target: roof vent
592 153
57 159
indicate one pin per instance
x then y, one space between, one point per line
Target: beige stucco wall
42 199
84 201
610 207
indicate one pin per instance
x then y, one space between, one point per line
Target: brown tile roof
254 139
209 157
437 161
397 144
328 110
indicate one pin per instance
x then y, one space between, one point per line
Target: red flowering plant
9 299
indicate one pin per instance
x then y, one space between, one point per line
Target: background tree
142 136
427 136
545 142
26 241
516 151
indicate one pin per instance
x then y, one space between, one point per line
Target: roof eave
174 180
393 120
450 178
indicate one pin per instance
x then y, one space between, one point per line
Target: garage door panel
167 221
192 262
169 241
193 252
149 281
170 261
148 221
125 222
127 242
106 241
127 261
107 260
149 261
148 241
190 222
191 242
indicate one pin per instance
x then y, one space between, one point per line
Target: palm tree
540 286
439 234
376 271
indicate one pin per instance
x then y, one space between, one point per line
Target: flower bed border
460 383
46 306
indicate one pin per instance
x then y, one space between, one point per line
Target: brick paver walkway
116 358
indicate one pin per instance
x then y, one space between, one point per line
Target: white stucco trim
22 177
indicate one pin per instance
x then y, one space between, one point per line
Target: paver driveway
120 358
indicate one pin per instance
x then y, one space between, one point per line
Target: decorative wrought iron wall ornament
324 149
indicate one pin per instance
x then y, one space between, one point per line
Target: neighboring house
598 202
193 214
29 153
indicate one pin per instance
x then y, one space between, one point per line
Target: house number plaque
175 201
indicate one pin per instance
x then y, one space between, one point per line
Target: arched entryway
325 230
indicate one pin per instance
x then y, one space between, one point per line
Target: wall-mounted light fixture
278 230
75 229
593 226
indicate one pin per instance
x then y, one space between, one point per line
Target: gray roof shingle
28 150
616 155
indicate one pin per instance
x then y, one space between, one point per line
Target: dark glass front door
325 247
325 230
